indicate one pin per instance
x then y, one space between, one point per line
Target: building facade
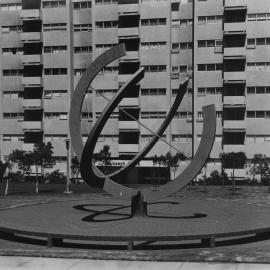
223 46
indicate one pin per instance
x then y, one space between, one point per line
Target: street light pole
68 164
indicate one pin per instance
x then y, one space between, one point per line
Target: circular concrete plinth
109 220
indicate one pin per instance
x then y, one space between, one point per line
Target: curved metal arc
80 91
89 172
178 99
201 156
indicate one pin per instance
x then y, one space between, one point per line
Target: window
258 17
258 114
108 70
11 28
155 68
114 115
55 27
9 51
82 27
209 43
81 5
210 90
83 49
258 90
10 7
176 90
56 115
258 65
55 137
186 22
210 19
183 115
106 24
105 2
54 4
153 115
79 71
13 138
86 115
55 93
153 45
153 92
152 22
181 138
12 72
13 94
209 67
18 116
55 71
54 49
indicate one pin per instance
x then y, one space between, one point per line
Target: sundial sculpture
93 176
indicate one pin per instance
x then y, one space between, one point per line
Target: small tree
260 165
42 156
233 161
103 157
75 167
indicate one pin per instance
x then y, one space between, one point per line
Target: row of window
56 115
10 7
13 116
81 5
11 28
13 138
258 90
210 90
55 93
153 91
153 114
210 43
257 138
155 68
258 17
258 41
106 24
10 51
79 71
83 49
154 21
82 27
12 94
153 45
258 65
181 69
258 114
55 71
210 67
181 46
12 72
54 49
53 4
105 2
54 137
210 19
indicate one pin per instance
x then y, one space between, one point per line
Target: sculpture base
107 221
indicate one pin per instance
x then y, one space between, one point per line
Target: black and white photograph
135 134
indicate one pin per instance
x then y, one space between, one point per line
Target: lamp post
67 141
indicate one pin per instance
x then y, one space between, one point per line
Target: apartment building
223 46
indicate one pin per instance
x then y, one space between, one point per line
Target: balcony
30 14
32 103
128 125
28 147
32 125
128 148
234 100
128 9
33 59
237 76
235 28
234 124
130 56
228 148
129 102
235 4
235 53
31 81
30 37
130 32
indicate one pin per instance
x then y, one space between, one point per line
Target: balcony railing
228 148
128 32
129 102
128 125
235 28
32 125
30 14
235 3
128 148
31 81
130 56
33 59
234 124
234 100
235 52
32 103
235 76
29 37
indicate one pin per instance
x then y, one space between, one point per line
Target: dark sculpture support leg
138 206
